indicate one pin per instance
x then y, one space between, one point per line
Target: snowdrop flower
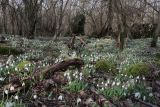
144 98
60 97
113 83
27 69
144 78
80 78
16 69
151 94
9 104
118 83
23 84
76 76
65 74
11 88
35 96
97 85
78 100
108 81
7 66
16 97
81 74
102 83
106 84
137 95
6 91
2 79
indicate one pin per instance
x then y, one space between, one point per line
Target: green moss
105 66
139 69
22 65
157 56
5 50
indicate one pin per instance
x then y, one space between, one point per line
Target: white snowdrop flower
151 94
7 66
35 96
123 86
106 84
76 76
124 94
6 91
23 84
11 88
2 79
69 78
65 74
113 83
118 83
80 74
102 88
68 74
9 104
16 97
26 69
137 77
80 78
102 83
144 78
97 85
16 69
108 81
78 100
76 72
137 95
144 98
60 97
132 81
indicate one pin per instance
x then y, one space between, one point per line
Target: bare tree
4 4
31 9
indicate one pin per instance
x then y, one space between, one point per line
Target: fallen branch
145 103
63 66
101 99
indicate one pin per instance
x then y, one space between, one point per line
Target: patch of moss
105 66
5 50
139 69
157 56
22 65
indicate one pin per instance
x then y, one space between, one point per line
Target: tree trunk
156 34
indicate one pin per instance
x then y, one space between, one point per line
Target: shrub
139 69
105 66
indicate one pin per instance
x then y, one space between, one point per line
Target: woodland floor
23 84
